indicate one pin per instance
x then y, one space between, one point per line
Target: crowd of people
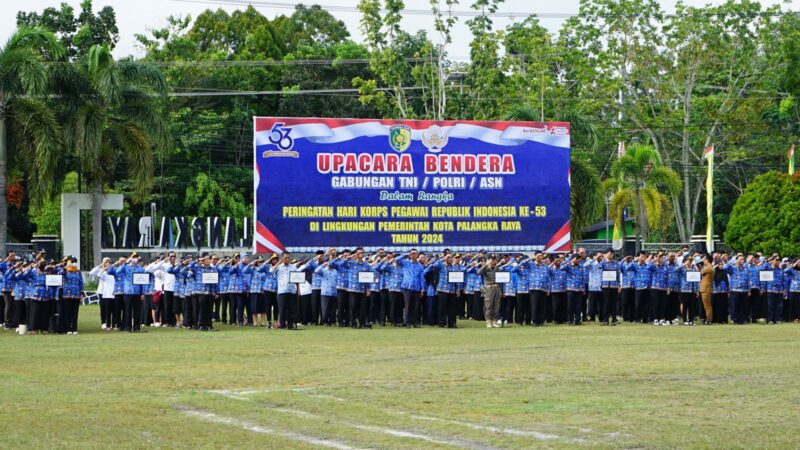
354 289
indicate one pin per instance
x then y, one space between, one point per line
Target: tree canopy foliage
619 70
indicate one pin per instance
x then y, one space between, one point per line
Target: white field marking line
249 426
238 395
388 431
512 431
242 394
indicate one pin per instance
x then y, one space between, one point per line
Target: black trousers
574 300
774 307
328 309
271 303
376 311
316 306
205 309
758 305
9 320
629 310
688 302
411 310
658 304
358 309
609 304
241 302
559 300
385 305
595 309
217 301
740 308
673 305
287 304
168 301
119 308
343 300
478 309
71 308
233 308
145 317
719 304
446 313
548 308
187 311
642 300
59 316
794 306
195 310
396 305
538 300
131 317
225 308
304 309
523 315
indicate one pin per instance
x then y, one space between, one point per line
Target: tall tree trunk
97 223
641 221
3 187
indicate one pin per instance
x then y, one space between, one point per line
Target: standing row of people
353 289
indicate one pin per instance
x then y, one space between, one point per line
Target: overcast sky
137 16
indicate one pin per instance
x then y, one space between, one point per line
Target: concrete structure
71 206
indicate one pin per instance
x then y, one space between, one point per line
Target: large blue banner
398 184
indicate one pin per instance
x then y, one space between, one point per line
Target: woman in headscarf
39 312
73 293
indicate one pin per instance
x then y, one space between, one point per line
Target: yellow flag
708 154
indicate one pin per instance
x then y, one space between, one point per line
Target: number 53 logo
279 135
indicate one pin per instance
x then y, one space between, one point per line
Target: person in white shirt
105 288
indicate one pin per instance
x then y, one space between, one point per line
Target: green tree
586 196
637 179
47 216
114 122
77 34
764 218
209 198
681 82
485 77
35 134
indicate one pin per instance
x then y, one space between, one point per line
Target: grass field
631 386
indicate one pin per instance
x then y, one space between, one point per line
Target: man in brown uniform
707 287
491 291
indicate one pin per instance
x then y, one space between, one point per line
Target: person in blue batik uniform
792 273
328 277
611 289
720 296
558 290
133 292
775 291
73 293
287 292
688 291
575 287
758 301
642 272
594 287
412 287
739 274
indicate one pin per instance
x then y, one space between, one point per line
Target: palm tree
586 197
637 181
115 112
32 125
